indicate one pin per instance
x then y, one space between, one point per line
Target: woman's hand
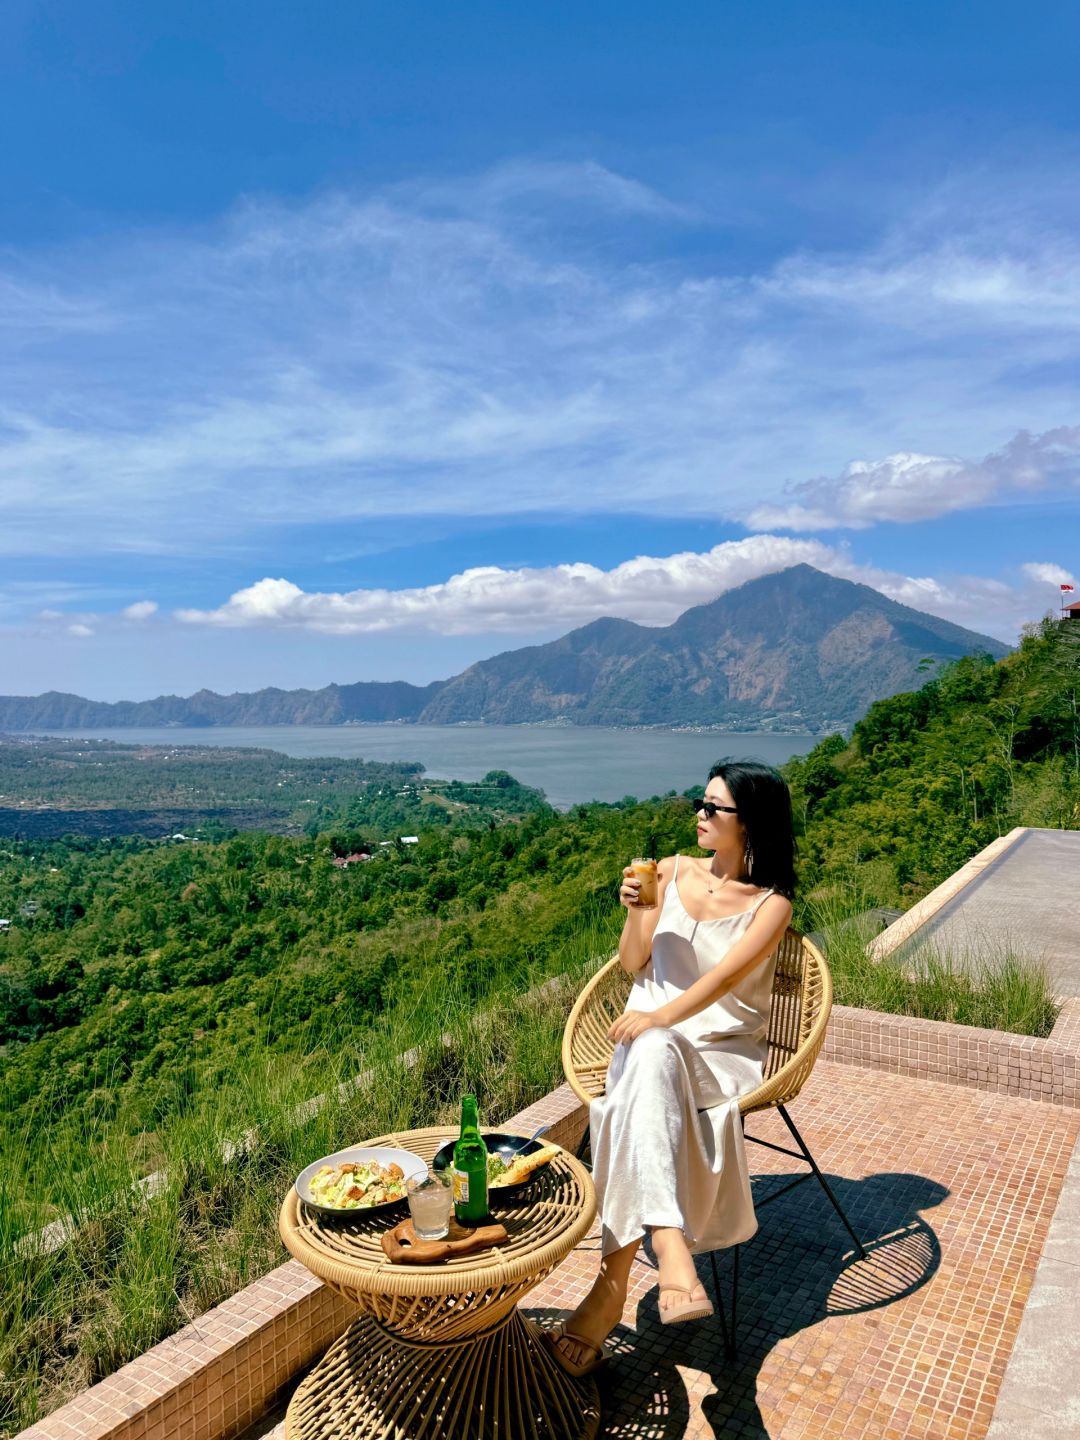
633 1023
639 923
629 888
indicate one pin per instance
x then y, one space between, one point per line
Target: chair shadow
798 1269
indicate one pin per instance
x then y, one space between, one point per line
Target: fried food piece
522 1166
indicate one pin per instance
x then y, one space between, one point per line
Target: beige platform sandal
687 1309
596 1357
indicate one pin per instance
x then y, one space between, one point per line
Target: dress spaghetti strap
756 906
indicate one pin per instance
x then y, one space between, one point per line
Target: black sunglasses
711 808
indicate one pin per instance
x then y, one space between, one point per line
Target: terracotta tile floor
952 1191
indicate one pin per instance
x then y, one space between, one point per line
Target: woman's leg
676 1265
601 1310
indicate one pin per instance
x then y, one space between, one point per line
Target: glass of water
430 1203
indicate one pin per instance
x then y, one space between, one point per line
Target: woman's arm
761 939
635 942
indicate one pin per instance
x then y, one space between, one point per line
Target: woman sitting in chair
667 1145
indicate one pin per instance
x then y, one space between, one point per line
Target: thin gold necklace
711 888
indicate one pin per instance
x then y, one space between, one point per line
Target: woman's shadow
797 1270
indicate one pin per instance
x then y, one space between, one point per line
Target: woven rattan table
440 1352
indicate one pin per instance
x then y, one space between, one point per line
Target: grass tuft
990 985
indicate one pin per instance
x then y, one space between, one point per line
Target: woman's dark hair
763 801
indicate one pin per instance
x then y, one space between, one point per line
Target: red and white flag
1068 587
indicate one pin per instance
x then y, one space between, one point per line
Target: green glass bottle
470 1168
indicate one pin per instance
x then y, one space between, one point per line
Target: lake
570 765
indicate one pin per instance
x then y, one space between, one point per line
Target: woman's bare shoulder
777 907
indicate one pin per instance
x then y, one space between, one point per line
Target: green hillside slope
931 776
158 1001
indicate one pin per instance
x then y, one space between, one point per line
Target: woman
668 1153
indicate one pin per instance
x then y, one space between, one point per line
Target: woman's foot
681 1304
682 1295
575 1356
578 1343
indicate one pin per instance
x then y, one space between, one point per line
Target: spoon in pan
517 1149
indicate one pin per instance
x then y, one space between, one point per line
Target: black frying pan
497 1144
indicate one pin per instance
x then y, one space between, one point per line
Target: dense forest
132 970
143 971
930 777
52 787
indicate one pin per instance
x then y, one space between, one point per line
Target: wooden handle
402 1247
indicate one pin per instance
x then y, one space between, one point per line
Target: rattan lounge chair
801 1002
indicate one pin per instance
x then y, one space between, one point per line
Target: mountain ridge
797 651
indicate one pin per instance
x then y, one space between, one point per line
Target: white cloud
140 610
508 185
467 348
990 247
30 309
1048 574
650 590
1033 290
80 630
918 487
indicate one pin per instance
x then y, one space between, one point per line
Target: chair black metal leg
720 1312
728 1335
821 1180
728 1330
583 1148
734 1298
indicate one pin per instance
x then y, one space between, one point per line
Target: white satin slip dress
667 1144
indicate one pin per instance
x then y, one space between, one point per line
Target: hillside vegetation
143 970
930 777
160 1000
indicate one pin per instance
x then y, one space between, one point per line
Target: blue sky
360 342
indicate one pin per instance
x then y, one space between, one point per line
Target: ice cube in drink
430 1201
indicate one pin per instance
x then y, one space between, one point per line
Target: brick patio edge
993 1060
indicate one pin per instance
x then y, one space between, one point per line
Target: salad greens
356 1185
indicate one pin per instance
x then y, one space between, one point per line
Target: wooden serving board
403 1248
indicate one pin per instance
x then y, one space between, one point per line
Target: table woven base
497 1385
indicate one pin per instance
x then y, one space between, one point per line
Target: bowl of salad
358 1181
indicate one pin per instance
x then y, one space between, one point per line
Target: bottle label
461 1187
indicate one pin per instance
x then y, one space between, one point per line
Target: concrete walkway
1026 895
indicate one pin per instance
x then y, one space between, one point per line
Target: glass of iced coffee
645 871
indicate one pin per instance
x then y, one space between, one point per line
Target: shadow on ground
799 1269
